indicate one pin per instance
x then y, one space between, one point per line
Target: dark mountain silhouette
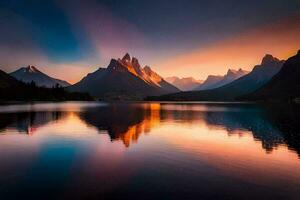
28 122
124 79
285 85
184 84
217 81
259 76
31 73
13 90
7 81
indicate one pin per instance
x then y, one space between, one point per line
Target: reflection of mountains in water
255 121
273 125
123 122
28 122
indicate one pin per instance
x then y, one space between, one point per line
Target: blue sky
87 34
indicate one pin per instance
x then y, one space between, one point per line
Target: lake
79 150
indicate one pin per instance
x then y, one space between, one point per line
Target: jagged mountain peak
152 73
268 58
215 81
242 71
30 69
134 60
213 77
147 68
126 58
117 65
268 62
233 72
112 62
154 77
31 73
135 63
124 78
246 84
133 66
285 84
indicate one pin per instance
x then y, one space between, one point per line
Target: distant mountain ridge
259 76
285 85
31 73
213 81
184 84
124 79
12 89
209 82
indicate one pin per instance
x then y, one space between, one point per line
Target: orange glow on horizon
242 51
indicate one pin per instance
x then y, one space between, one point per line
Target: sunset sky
69 38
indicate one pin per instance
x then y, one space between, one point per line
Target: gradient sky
69 38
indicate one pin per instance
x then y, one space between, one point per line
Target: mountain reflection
28 122
123 122
271 125
254 121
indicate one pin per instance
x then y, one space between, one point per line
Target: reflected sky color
183 38
125 147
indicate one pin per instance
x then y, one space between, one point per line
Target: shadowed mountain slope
259 76
31 73
217 81
285 85
13 90
124 79
7 81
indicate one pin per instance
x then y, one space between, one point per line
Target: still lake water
79 150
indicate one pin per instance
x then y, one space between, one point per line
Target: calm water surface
149 151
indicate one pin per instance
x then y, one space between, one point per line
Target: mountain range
124 79
184 84
213 81
285 85
32 74
246 84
